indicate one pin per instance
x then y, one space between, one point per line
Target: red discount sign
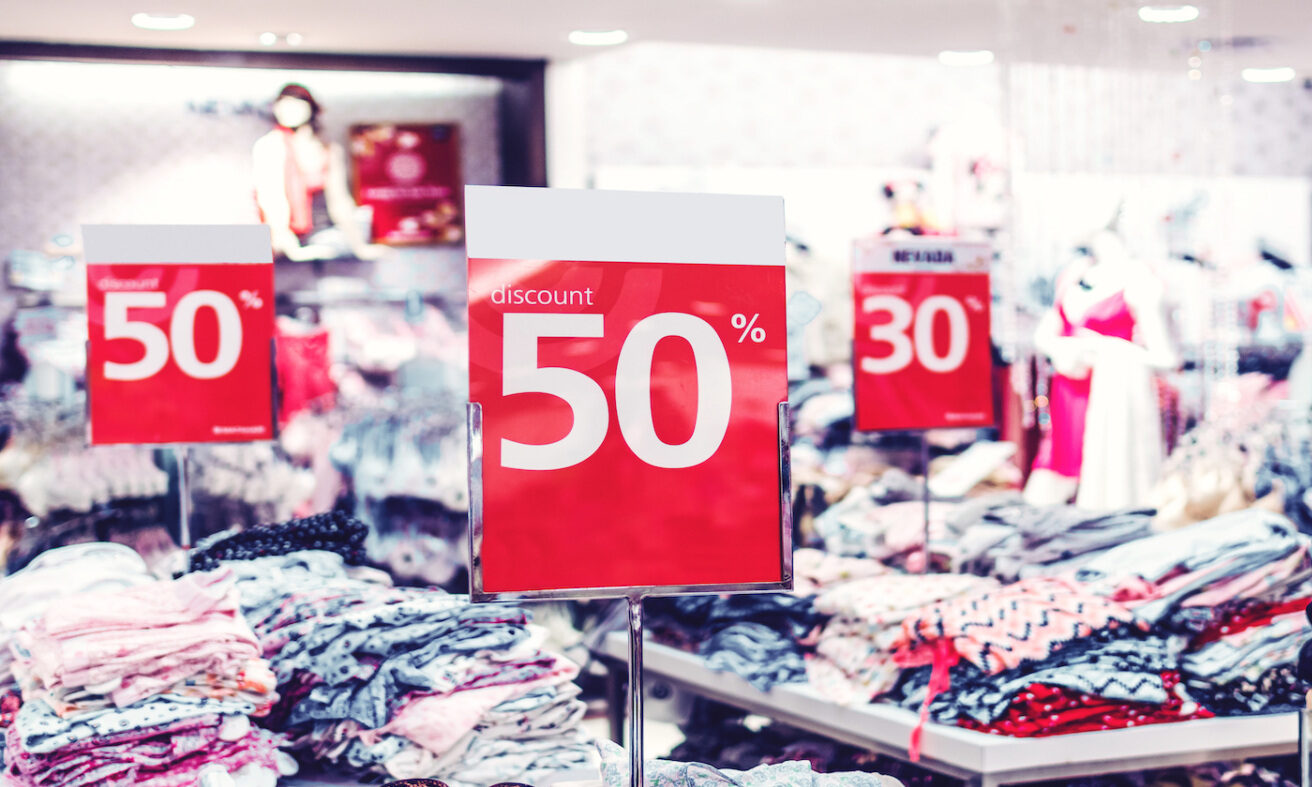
180 322
921 346
628 355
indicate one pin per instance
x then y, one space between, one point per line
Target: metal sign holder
633 595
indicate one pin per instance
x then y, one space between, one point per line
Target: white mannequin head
292 112
1109 249
295 107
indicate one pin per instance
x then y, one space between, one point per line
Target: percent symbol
251 299
748 327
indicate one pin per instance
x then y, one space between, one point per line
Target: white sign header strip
188 244
623 226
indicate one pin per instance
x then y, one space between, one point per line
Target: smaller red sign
410 176
179 352
921 346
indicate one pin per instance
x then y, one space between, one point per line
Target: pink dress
1062 450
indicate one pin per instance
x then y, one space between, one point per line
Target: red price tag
628 353
180 322
921 346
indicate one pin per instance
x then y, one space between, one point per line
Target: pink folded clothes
167 756
438 721
1000 629
814 570
135 643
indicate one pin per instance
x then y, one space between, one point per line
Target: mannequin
1107 316
301 189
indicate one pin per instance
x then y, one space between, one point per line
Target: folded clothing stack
815 570
1018 541
756 637
411 683
1040 657
54 575
147 685
853 661
794 773
331 532
1097 683
858 526
1248 663
1230 558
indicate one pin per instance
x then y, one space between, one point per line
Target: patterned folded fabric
1044 710
1101 669
1004 628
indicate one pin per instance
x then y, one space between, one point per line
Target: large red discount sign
921 346
628 354
180 322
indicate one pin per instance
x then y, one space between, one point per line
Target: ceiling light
1195 74
979 57
1166 14
293 39
163 21
1265 75
598 37
268 39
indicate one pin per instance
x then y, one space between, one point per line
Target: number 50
587 400
182 327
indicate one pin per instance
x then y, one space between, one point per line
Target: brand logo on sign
942 256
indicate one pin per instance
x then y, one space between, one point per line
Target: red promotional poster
410 176
921 351
627 351
180 323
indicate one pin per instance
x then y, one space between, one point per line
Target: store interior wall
123 143
827 130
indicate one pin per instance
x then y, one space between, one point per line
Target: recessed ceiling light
598 37
1265 75
293 39
979 57
163 21
268 39
1167 14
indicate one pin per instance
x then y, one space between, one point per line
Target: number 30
894 334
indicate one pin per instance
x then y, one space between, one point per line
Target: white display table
980 759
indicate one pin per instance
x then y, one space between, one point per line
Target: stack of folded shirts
1045 541
1097 683
857 526
1232 557
853 661
411 683
1041 657
815 570
1248 663
756 637
998 629
54 575
794 773
143 686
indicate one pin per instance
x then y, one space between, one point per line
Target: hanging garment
1062 450
1122 445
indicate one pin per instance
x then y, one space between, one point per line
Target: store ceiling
1091 32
